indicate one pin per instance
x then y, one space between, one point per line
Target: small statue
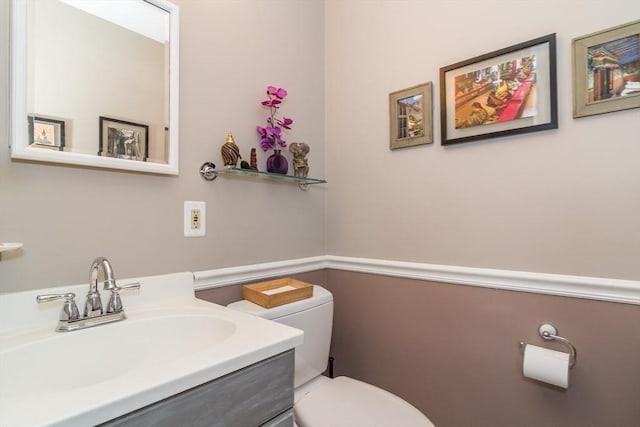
254 160
300 163
230 152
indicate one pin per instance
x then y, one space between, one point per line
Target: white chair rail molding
597 288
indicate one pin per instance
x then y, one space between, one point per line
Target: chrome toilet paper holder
550 333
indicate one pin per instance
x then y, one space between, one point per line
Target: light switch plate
195 219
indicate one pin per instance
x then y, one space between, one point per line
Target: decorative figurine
300 163
254 160
230 152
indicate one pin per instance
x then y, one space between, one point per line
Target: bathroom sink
169 343
88 357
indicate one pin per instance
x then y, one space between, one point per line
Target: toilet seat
345 402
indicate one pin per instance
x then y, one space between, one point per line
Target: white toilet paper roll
546 365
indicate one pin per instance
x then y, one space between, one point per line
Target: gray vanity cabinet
260 395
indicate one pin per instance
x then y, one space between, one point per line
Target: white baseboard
604 289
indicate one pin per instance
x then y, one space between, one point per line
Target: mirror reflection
98 79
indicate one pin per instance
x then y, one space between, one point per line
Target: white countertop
170 342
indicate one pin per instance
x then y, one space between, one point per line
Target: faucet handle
115 302
69 309
134 285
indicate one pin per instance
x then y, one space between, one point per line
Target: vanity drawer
257 395
282 420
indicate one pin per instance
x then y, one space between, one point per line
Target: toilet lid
345 402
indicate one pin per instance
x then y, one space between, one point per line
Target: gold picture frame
411 116
606 70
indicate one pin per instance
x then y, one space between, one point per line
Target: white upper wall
230 51
561 201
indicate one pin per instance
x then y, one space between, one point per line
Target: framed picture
411 116
507 92
46 132
123 140
606 70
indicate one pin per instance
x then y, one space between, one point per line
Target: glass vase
277 163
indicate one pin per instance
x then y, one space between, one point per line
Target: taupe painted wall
563 201
227 294
229 53
453 351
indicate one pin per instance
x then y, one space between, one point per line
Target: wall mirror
95 83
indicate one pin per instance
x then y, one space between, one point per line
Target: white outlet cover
188 231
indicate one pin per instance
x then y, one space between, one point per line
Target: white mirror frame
19 139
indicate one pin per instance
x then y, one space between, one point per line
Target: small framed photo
411 116
123 140
606 70
45 132
506 92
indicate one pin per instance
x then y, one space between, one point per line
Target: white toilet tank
314 316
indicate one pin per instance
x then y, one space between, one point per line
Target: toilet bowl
320 401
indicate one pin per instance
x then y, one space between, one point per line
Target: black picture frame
122 139
46 132
509 91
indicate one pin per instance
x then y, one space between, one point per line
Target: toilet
320 401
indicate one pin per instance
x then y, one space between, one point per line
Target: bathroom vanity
258 395
174 360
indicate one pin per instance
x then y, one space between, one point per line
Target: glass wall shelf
209 172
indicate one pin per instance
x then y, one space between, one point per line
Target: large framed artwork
123 140
506 92
411 116
606 70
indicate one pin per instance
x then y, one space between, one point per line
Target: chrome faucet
93 305
94 314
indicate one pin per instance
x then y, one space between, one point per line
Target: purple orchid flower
285 123
271 135
278 92
271 103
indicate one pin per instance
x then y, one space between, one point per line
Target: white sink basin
170 342
70 360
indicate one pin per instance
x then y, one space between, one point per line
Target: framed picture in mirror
123 139
45 132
